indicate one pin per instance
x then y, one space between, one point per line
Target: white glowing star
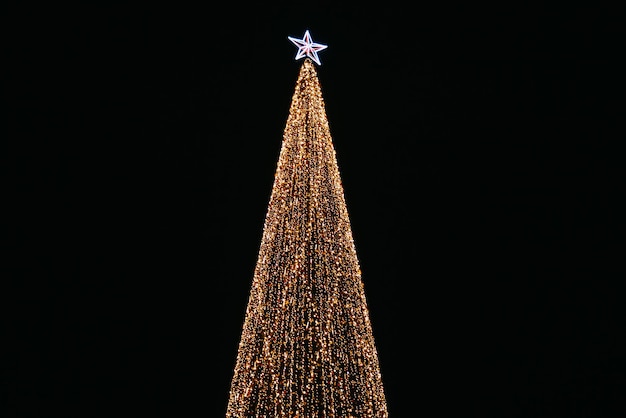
307 47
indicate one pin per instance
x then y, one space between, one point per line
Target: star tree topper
307 47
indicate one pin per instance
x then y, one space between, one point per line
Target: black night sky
478 152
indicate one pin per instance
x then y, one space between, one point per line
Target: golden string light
307 348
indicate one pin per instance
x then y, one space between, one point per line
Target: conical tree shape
307 348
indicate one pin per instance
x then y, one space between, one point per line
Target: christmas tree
307 348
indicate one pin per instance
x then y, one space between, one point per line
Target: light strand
307 348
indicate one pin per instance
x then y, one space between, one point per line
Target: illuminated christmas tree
307 348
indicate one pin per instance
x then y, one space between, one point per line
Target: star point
306 47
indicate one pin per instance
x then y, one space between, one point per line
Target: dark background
478 147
